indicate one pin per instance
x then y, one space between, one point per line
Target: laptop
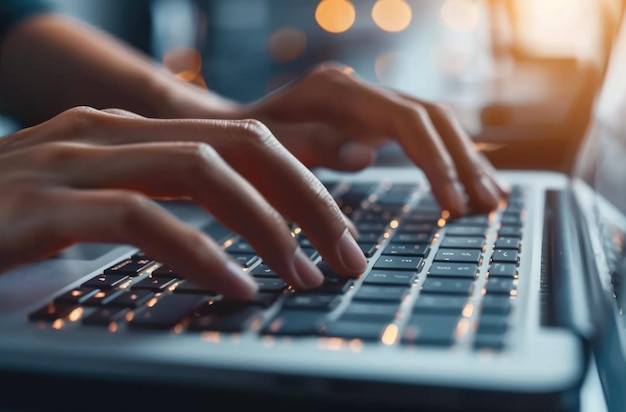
502 311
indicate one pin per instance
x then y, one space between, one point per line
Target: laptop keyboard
430 281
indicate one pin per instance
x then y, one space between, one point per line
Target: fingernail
351 254
310 276
242 279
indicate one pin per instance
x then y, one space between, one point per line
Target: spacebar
167 312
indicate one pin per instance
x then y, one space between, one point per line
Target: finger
121 112
195 171
117 216
340 99
479 180
250 148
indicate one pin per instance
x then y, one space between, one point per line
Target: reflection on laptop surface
491 312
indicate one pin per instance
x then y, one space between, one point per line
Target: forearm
49 64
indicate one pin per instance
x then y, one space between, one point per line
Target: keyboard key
400 237
224 316
165 271
505 270
470 231
496 304
241 245
76 296
500 286
130 267
368 248
430 329
52 312
510 231
186 286
264 271
417 227
458 255
271 285
106 281
167 312
508 243
412 263
407 249
433 303
489 341
493 324
246 260
390 278
132 299
380 293
103 297
505 256
295 323
476 220
463 242
155 284
447 286
307 301
459 270
367 331
218 232
104 316
370 312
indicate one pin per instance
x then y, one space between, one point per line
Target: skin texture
110 131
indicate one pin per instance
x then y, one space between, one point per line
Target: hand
89 175
331 118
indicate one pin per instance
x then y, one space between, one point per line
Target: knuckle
442 110
81 119
199 156
255 134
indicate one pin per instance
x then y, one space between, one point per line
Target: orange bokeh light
392 15
335 16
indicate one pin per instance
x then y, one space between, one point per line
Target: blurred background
520 74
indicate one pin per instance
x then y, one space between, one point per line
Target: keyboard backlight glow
390 335
468 310
58 324
441 222
213 337
112 327
445 214
393 224
76 314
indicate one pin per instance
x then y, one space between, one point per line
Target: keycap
506 270
500 285
224 316
417 227
458 255
103 297
497 304
390 277
367 331
155 284
380 293
412 237
246 260
508 243
476 220
270 284
240 246
411 263
368 248
407 249
432 329
471 231
186 286
218 232
370 312
435 303
489 341
167 312
104 316
295 323
504 256
76 295
106 281
132 299
263 270
307 301
447 269
463 242
130 267
510 231
493 324
52 312
165 271
450 286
